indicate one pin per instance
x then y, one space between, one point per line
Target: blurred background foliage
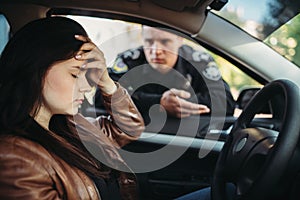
286 40
277 26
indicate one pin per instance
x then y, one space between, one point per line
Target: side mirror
246 95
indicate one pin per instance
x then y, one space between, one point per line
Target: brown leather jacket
29 171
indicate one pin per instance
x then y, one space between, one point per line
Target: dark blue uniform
194 71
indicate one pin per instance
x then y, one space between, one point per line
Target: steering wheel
254 159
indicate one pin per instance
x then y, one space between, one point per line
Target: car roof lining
28 10
189 4
26 14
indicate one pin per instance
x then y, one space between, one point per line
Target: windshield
275 22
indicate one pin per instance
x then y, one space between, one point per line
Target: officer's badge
135 54
196 56
212 72
119 66
127 54
200 56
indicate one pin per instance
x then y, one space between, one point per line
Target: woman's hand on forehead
95 63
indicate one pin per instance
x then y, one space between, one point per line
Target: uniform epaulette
208 67
131 54
193 55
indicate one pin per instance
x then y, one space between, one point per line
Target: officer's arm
212 90
217 97
144 101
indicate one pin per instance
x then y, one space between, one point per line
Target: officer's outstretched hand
175 103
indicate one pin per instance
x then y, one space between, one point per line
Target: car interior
257 148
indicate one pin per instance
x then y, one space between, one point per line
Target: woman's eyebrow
76 67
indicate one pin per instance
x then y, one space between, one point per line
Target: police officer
181 80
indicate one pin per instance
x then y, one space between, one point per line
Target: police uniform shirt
194 71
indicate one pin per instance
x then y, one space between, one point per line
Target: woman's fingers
89 52
82 38
88 48
96 64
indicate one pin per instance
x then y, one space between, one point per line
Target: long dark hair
23 66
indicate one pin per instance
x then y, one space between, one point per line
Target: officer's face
161 48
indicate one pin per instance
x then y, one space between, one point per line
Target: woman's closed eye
74 75
76 71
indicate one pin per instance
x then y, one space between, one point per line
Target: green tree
286 40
